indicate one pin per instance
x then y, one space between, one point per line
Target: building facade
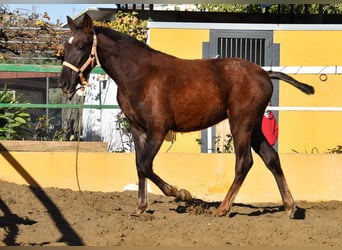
268 45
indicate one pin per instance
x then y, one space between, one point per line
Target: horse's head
79 55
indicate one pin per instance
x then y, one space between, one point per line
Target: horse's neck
117 58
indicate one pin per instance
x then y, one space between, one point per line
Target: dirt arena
58 217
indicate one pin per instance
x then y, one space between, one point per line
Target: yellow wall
306 131
298 131
207 176
185 44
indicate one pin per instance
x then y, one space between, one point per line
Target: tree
31 39
273 8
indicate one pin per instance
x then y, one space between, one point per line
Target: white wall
100 124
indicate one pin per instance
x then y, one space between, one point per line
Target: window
251 49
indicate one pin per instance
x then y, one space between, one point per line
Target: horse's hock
311 177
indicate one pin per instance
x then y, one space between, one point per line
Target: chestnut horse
159 92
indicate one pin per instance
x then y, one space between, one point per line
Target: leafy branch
128 23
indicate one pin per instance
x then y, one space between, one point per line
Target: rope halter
92 59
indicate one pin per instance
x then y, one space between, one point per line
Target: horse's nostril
63 87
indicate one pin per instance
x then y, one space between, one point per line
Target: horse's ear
87 23
71 23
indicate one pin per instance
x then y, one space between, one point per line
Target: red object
270 127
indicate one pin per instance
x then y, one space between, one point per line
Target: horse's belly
197 121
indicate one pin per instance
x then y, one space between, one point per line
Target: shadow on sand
198 206
69 235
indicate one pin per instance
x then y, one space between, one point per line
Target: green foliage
45 131
335 150
228 144
42 128
122 124
307 8
312 151
128 23
332 8
14 122
60 135
239 8
275 8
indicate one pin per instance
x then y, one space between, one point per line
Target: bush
14 122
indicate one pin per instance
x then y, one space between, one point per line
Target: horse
159 93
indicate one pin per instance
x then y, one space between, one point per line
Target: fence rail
307 70
98 106
39 68
290 108
53 106
295 70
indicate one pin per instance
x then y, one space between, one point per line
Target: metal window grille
251 49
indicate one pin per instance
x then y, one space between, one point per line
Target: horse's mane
118 36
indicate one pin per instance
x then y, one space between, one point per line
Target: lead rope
77 153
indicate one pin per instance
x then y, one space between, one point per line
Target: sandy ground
58 217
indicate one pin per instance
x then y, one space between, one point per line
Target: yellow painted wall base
316 177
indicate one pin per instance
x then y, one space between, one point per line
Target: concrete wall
312 177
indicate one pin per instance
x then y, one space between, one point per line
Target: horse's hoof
136 213
133 214
290 213
290 210
219 213
185 195
138 210
296 213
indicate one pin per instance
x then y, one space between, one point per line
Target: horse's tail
307 89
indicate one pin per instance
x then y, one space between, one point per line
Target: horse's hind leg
147 145
271 160
243 163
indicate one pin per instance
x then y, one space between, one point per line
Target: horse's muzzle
64 86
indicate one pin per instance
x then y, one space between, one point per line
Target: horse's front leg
142 194
139 138
147 146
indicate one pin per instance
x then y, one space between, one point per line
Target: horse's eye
80 47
